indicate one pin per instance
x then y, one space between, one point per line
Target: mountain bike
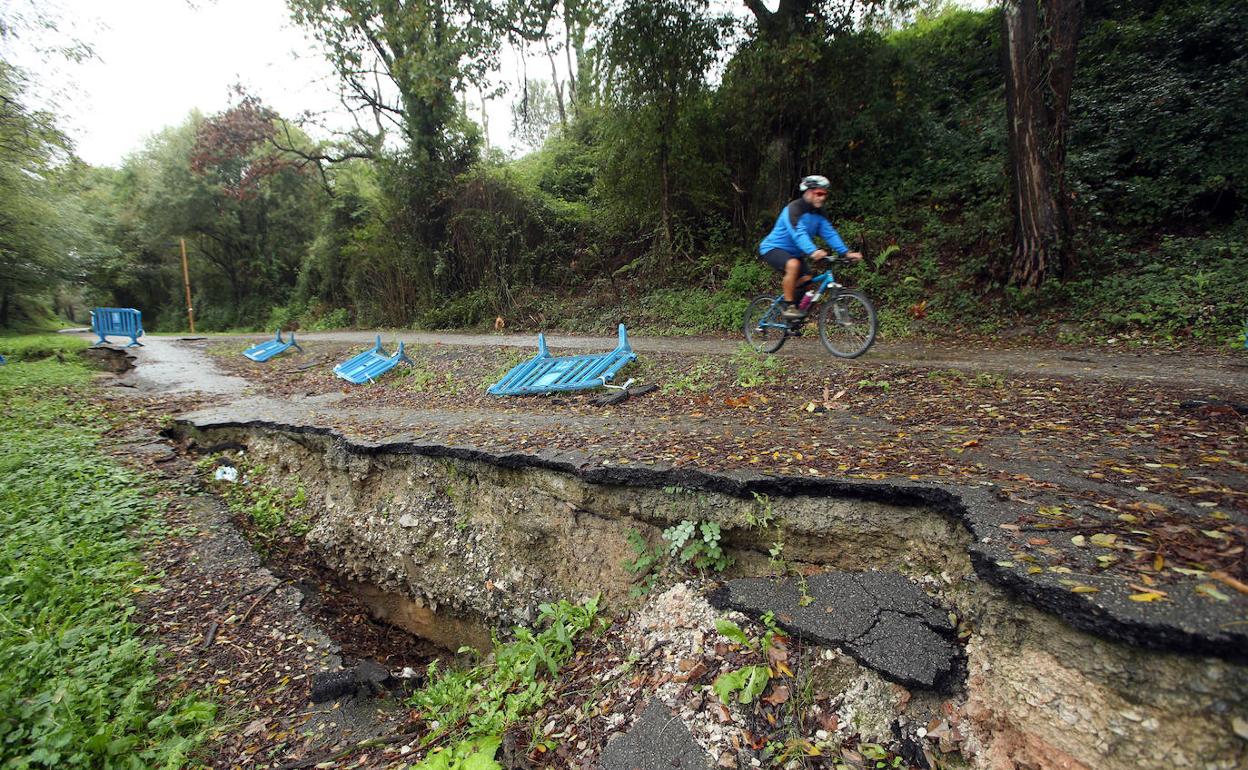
845 318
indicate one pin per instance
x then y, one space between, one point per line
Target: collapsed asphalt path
583 441
1184 623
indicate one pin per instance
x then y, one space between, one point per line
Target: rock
371 672
331 685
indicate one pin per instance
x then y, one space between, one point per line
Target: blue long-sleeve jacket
796 225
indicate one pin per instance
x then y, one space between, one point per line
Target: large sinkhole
451 545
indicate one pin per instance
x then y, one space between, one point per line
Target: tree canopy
662 139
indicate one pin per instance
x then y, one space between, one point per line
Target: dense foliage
669 147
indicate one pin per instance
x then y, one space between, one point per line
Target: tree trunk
1040 41
789 17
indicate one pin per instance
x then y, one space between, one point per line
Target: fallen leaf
1222 577
1147 596
1210 590
779 695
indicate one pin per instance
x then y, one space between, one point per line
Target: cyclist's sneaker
792 312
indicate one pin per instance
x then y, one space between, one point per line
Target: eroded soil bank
453 544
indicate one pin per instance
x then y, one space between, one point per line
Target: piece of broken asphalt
658 739
881 619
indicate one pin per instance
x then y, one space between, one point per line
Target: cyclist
791 241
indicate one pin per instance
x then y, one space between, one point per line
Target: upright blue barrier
119 322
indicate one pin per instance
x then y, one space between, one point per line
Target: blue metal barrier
266 350
119 322
545 373
371 364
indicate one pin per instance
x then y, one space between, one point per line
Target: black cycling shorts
779 259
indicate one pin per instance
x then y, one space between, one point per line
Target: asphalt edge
971 507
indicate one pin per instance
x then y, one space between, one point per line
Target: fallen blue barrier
371 364
545 373
119 322
266 350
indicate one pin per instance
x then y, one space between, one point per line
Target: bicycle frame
819 284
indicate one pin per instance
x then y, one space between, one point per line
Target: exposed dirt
252 633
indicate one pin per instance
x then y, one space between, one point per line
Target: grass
32 347
77 684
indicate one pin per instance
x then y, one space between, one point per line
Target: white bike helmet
814 182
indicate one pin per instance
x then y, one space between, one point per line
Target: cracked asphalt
881 619
1183 623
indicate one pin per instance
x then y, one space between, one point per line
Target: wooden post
186 281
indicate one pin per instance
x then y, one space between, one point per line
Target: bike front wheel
764 328
847 324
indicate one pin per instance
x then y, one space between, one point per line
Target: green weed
762 513
747 682
77 684
477 704
696 379
754 370
697 545
988 380
645 564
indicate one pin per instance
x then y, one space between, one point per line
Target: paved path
1187 622
1227 372
162 365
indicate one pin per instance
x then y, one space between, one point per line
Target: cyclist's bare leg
792 272
794 281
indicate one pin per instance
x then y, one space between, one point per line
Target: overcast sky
156 60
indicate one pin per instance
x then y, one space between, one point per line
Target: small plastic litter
226 473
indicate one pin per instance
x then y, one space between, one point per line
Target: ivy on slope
77 685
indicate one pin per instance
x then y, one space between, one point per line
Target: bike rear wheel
847 324
759 331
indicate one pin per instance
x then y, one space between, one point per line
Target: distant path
165 365
1222 372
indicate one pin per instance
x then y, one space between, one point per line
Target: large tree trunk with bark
1040 41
